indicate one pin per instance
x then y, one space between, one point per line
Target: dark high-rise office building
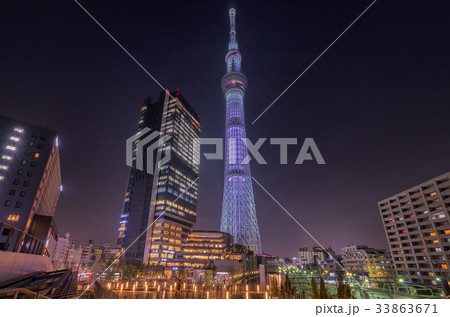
30 183
168 190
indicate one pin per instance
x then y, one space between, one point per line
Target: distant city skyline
376 104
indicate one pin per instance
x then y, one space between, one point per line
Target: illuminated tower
238 207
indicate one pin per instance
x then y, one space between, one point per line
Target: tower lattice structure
238 207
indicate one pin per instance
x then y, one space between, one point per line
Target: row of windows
165 247
12 192
39 146
165 232
8 204
13 217
166 225
17 182
394 204
164 239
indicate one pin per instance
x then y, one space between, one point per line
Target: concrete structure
375 264
40 285
67 253
15 264
30 183
316 256
60 255
73 259
107 252
417 227
333 267
51 241
86 253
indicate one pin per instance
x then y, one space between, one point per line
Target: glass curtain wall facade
166 202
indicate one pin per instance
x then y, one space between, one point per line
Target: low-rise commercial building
202 247
375 264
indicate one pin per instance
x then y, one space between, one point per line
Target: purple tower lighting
238 207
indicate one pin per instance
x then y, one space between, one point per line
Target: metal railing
13 239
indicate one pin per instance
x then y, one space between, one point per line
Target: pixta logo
150 142
241 151
142 145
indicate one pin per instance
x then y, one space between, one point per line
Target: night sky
377 103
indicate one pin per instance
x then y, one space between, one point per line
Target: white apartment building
417 227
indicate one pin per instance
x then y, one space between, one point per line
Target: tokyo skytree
238 207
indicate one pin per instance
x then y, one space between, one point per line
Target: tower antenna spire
233 44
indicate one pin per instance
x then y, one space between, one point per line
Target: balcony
13 239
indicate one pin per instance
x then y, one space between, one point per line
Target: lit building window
20 130
444 266
3 167
7 157
14 138
36 155
2 177
10 147
433 234
12 217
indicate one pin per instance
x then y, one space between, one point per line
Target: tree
274 290
129 271
282 289
140 270
239 248
110 268
160 270
210 273
315 293
109 273
348 291
182 273
287 284
341 289
323 290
